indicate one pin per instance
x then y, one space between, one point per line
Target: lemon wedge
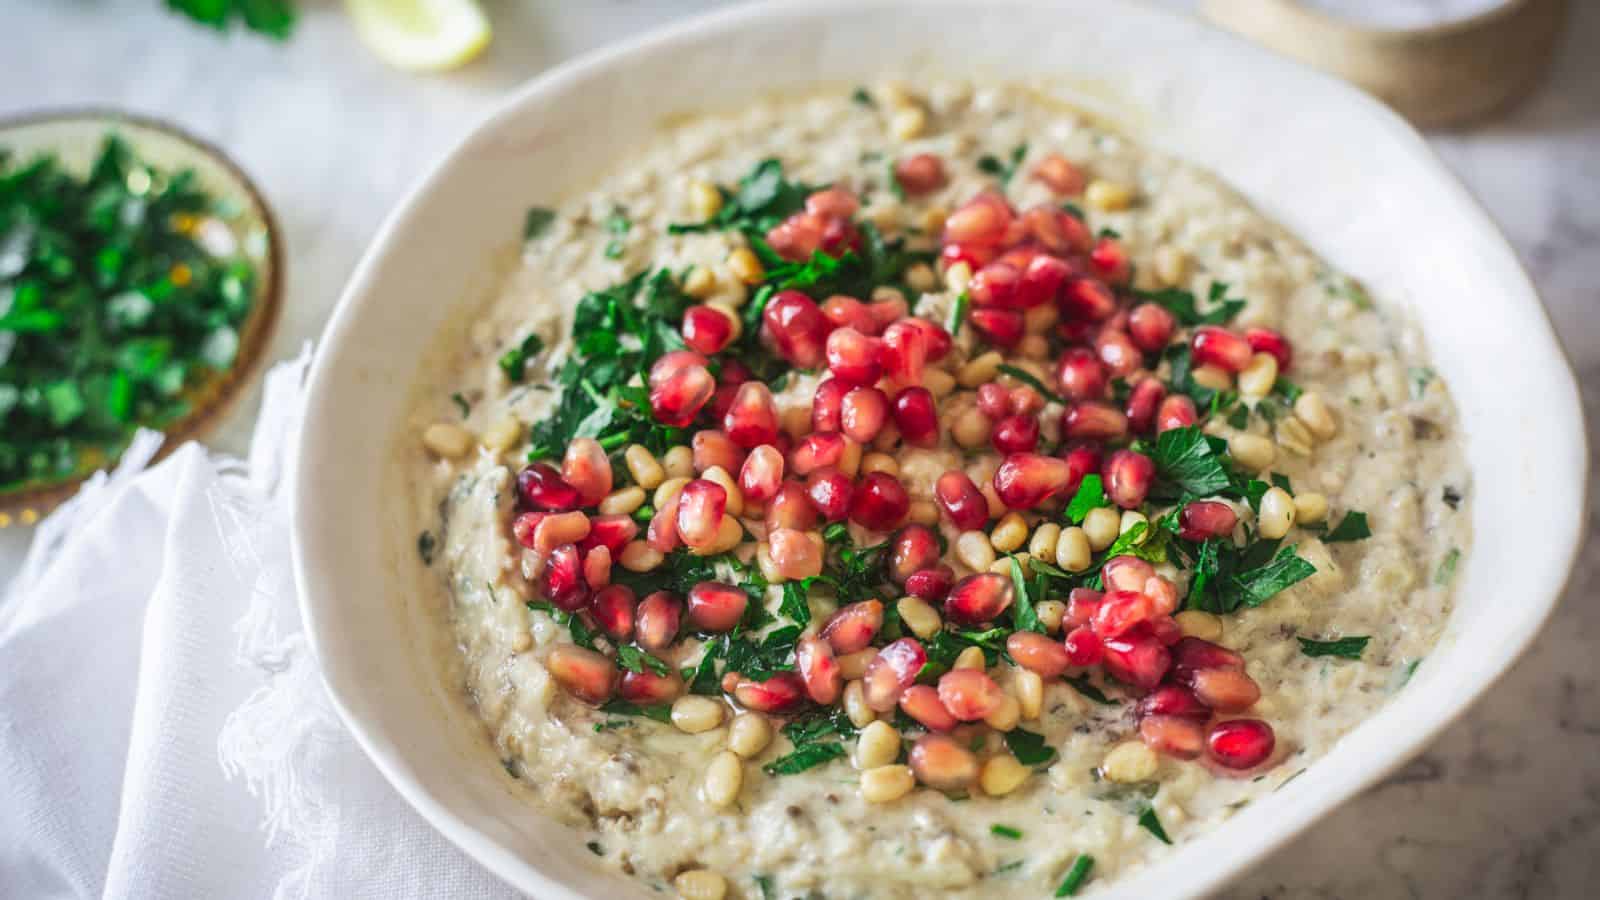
421 35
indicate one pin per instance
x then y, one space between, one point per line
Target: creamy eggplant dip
924 492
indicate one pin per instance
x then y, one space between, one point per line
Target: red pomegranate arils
1143 401
1016 434
921 702
791 508
647 688
862 413
1125 573
1038 653
1176 411
707 329
821 450
1137 658
830 491
761 474
1000 327
1083 646
1094 421
656 620
1117 351
1174 736
1240 743
853 357
701 505
562 582
1025 480
1128 475
852 627
1151 326
995 285
714 448
993 399
826 404
1119 612
904 353
931 584
893 670
586 468
1224 690
584 674
978 598
911 549
1194 653
943 763
1080 375
613 609
969 694
795 554
920 174
961 500
540 486
1219 347
796 328
782 692
1265 340
1060 175
753 418
916 415
879 502
716 607
1087 299
813 658
1201 520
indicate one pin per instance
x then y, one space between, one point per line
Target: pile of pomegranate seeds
768 506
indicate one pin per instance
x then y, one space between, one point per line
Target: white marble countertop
1506 803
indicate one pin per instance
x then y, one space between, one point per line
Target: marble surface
1506 803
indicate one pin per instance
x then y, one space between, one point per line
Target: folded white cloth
165 731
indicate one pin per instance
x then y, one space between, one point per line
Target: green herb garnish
805 757
860 97
1192 461
1447 568
1149 822
1091 495
958 314
273 18
1344 648
514 362
1005 831
1029 747
635 660
1353 527
762 199
660 712
426 544
1034 383
988 164
1077 874
1186 308
537 221
1082 685
1024 616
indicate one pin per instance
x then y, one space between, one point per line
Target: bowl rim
1225 865
223 392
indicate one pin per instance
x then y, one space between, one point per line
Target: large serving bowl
1338 169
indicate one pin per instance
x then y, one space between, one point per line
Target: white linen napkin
165 731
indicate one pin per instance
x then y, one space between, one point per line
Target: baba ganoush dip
924 492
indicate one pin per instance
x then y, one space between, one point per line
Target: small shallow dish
75 136
1352 180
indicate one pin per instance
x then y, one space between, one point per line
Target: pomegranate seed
1038 653
715 448
656 620
753 418
852 628
1083 646
782 692
612 608
796 328
1109 260
1193 653
982 220
911 549
921 702
1025 480
1081 606
1059 175
716 607
1220 347
584 674
556 529
961 500
942 763
1167 631
993 399
1224 690
839 235
834 201
761 474
791 508
795 554
1057 231
524 526
1202 519
734 372
1081 461
1174 736
797 237
1088 299
978 598
1240 743
1016 434
1117 351
722 401
1000 327
674 363
1143 401
969 694
1120 611
1163 596
1128 474
1080 375
1093 420
826 404
887 311
1151 326
662 533
647 687
822 450
853 356
893 670
813 658
1173 700
680 397
862 414
561 582
1265 340
1125 573
597 567
995 285
976 256
931 584
701 505
938 340
1041 281
1177 411
610 532
1137 658
915 414
707 329
904 353
586 468
880 502
845 311
919 174
1025 401
542 487
830 491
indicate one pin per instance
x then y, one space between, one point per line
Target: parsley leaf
988 164
514 362
635 660
1257 586
1192 461
660 712
1005 831
1082 685
272 18
762 199
794 604
1447 567
958 314
537 222
1075 875
860 97
1024 616
1149 822
1091 496
1353 527
426 544
1344 648
1029 747
1186 308
805 757
1034 383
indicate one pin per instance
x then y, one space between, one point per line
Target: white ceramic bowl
1337 168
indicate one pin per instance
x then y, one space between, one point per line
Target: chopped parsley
988 164
537 222
1005 831
1353 527
1185 307
619 224
611 725
461 404
1226 577
1027 379
1082 685
763 198
426 544
635 660
1192 461
581 635
1447 568
1149 822
1344 648
660 712
1025 617
1076 875
1029 747
514 362
1091 495
595 848
807 756
272 18
860 97
764 882
958 314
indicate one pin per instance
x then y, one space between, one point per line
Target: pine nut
997 507
939 383
700 884
642 465
679 462
1129 763
1005 716
1276 514
1203 625
749 733
1310 507
1214 377
908 123
921 618
1101 526
638 556
854 665
879 462
956 279
623 502
669 489
1314 412
850 462
855 705
1033 346
1043 543
1259 376
1108 196
1127 522
924 512
1072 548
769 569
724 779
1029 688
1050 613
1040 319
746 266
694 714
735 501
1171 264
502 435
886 784
1002 564
705 200
933 219
1294 437
971 429
1009 533
975 551
921 278
1001 775
980 370
447 441
700 283
970 658
1252 451
878 744
730 534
